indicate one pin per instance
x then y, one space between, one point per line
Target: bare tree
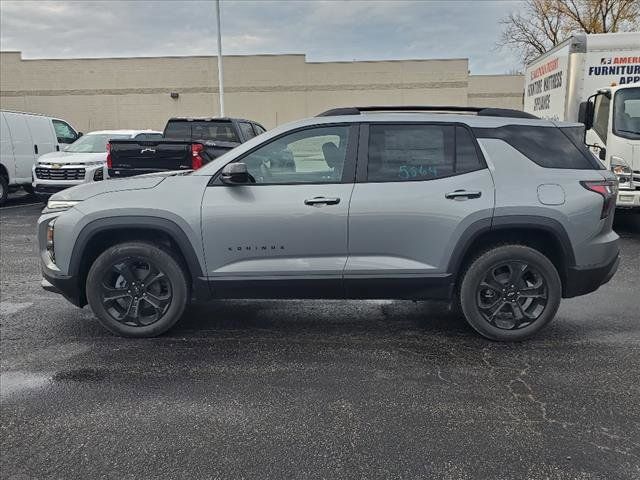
545 23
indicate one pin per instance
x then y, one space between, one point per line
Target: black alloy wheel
512 295
136 292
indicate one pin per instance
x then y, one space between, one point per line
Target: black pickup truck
186 144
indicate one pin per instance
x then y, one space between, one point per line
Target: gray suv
497 211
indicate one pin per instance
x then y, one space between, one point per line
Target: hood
88 190
72 158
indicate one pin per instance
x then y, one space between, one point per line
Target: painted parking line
21 205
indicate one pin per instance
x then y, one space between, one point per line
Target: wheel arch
541 233
98 235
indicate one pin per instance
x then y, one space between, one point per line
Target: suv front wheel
510 292
137 289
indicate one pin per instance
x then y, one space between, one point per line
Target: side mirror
79 135
235 173
602 154
585 114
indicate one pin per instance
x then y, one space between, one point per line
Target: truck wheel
4 189
137 289
510 292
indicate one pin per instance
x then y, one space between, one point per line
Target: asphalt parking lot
315 389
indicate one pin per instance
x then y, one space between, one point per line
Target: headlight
619 166
60 205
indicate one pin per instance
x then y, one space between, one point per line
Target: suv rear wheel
137 289
510 292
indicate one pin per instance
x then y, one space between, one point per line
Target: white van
23 138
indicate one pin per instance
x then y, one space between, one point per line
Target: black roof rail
481 111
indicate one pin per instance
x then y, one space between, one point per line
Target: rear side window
545 146
413 152
258 128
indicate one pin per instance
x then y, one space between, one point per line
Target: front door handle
462 194
321 201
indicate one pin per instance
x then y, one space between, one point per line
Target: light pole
220 72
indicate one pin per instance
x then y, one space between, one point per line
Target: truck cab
612 121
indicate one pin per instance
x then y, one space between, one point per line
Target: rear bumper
581 281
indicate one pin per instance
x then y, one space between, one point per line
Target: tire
142 274
4 189
524 285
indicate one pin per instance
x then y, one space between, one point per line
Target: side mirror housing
585 114
235 174
79 135
602 154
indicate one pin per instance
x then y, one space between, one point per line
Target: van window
258 129
601 117
545 146
410 152
64 132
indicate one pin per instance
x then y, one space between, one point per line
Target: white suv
81 162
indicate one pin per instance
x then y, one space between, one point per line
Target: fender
473 232
200 288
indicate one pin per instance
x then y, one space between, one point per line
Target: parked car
83 161
24 137
499 212
187 144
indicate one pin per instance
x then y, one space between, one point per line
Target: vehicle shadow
626 223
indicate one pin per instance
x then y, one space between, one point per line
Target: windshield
94 142
626 113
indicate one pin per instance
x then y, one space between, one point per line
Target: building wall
272 89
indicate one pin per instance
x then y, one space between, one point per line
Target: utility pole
220 72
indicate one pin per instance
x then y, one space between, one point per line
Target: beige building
111 93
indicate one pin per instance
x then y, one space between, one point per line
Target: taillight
608 189
196 159
109 162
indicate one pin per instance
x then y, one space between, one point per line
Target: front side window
315 155
94 143
64 132
247 131
601 116
626 113
410 152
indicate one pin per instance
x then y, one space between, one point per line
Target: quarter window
315 155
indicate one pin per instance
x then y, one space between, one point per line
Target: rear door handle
35 148
321 201
461 194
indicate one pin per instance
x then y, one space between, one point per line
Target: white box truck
595 79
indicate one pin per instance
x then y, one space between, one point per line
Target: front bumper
581 281
68 287
628 199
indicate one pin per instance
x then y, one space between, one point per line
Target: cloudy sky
324 30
